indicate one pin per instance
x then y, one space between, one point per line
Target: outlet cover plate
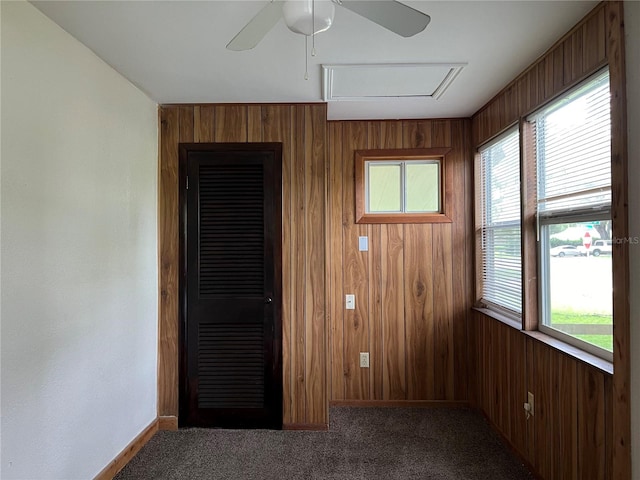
364 359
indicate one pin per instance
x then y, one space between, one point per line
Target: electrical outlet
364 359
530 401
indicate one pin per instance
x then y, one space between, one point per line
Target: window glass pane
579 292
423 187
384 188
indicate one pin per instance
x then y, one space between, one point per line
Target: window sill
574 352
500 317
403 218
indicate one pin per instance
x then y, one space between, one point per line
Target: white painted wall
632 47
78 254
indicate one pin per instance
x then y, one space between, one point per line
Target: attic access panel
379 81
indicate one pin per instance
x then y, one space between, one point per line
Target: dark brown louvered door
233 258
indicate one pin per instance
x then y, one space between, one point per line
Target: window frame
398 155
544 299
543 220
480 226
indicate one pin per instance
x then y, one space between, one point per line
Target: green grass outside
578 317
569 317
602 341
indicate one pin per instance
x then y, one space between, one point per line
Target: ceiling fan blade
392 15
257 28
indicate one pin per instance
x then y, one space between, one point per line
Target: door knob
268 300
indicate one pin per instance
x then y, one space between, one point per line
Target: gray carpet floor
362 443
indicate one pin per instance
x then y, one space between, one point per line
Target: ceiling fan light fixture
301 16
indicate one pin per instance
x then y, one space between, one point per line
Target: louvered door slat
231 230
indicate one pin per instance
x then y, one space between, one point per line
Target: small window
573 157
410 186
499 229
400 186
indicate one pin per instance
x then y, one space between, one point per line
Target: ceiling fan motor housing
301 16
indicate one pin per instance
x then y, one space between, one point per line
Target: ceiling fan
308 17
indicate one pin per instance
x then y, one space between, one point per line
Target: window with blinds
572 138
499 182
573 150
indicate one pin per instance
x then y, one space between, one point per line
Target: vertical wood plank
276 127
376 139
315 139
335 258
522 93
298 254
543 92
558 68
563 370
517 390
441 133
608 425
531 387
377 346
254 123
393 313
185 119
418 305
206 123
591 431
533 85
442 312
356 325
594 39
230 123
463 274
417 134
545 429
168 263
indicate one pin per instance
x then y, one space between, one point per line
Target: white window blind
500 229
573 150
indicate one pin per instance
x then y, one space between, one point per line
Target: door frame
184 150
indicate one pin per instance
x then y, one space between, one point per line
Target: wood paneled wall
302 129
413 287
569 437
582 424
579 53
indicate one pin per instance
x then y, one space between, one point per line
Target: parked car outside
601 247
567 251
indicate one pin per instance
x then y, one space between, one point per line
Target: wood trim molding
312 427
130 451
614 27
529 228
168 423
401 403
363 156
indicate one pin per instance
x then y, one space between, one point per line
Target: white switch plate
350 302
364 359
363 244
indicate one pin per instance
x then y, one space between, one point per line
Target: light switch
363 244
350 302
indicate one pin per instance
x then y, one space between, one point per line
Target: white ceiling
175 50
